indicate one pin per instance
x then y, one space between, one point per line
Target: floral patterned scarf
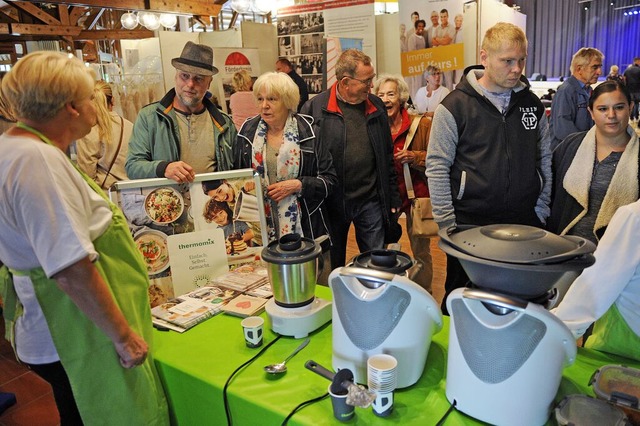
288 167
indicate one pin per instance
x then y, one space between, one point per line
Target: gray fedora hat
195 59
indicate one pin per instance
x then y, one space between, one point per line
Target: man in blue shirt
569 107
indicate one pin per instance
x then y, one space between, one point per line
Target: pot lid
392 261
291 249
516 243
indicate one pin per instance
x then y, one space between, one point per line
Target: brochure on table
188 234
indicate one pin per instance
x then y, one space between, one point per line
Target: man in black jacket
488 159
354 125
285 66
632 79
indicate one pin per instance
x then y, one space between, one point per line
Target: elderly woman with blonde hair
74 285
241 102
296 171
102 154
411 152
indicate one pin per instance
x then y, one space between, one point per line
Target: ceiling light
241 6
168 20
150 20
129 20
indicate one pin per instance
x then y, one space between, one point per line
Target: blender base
298 322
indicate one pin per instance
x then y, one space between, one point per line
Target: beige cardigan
95 156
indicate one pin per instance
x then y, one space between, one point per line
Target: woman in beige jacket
103 152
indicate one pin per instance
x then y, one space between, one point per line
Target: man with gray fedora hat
184 133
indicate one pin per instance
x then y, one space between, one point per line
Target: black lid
393 261
291 249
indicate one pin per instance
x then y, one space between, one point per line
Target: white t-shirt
428 104
49 217
614 278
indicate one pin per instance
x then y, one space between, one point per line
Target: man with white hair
569 112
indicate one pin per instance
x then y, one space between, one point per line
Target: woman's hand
132 351
405 157
279 191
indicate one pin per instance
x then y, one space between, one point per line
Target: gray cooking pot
292 264
515 259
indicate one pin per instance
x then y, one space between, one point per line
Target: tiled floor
35 401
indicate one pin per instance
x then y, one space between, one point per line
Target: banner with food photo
158 208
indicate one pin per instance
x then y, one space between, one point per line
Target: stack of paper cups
382 378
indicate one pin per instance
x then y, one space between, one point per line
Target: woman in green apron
608 293
74 286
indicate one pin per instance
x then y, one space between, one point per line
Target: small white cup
382 378
252 327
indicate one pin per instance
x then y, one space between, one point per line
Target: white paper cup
252 328
382 373
382 378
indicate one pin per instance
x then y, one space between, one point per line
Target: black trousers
55 375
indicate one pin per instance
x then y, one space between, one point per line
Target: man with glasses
569 107
184 133
488 159
353 124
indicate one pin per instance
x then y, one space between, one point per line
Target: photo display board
189 234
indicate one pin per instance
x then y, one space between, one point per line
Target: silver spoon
281 367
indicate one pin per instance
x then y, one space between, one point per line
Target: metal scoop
281 367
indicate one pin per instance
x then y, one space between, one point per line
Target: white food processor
506 350
381 312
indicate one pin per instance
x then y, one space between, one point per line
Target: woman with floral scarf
296 172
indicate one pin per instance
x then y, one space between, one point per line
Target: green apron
105 392
612 334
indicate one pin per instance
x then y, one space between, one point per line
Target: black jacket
494 177
316 173
330 128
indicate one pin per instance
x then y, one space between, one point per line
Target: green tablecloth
195 365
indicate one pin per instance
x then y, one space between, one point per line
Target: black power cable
225 399
302 405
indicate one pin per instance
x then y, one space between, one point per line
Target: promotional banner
228 62
431 35
218 221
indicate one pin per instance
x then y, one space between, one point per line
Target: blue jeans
368 221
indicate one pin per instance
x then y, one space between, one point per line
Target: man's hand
132 351
180 172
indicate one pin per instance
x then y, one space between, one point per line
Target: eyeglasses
367 82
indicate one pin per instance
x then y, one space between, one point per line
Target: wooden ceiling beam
35 11
114 34
186 7
76 13
63 14
45 30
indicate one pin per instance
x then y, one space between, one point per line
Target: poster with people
220 212
431 36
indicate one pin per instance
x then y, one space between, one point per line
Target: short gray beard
191 103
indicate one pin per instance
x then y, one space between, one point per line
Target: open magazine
242 291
